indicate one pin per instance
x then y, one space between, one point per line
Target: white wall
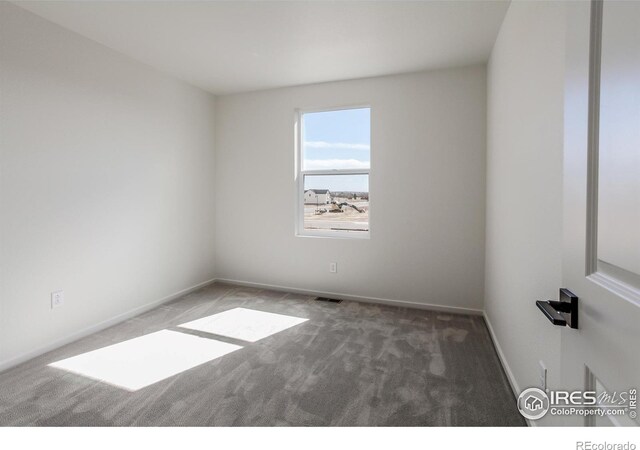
106 184
427 190
524 186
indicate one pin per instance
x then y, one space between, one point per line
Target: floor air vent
328 300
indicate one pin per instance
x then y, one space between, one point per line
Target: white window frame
300 174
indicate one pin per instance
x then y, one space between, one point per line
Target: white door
601 254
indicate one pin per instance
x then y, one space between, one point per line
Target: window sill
356 235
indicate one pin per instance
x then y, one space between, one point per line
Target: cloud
338 145
328 164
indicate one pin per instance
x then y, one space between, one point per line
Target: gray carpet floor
349 364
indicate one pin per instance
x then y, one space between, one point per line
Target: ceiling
234 46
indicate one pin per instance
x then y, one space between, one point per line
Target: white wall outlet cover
333 267
57 299
543 375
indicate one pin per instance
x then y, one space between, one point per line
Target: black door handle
563 312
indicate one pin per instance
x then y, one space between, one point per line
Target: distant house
317 196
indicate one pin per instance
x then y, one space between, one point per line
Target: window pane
336 202
336 139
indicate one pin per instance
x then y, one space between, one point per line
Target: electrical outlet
57 299
542 376
333 267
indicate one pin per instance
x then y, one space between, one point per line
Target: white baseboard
4 365
503 360
357 298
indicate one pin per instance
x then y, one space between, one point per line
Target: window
334 161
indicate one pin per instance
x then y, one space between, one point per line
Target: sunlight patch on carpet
244 324
142 361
